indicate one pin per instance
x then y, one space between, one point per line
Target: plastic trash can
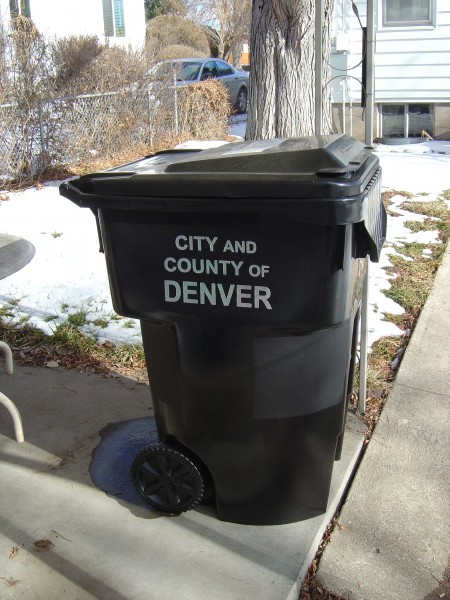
245 265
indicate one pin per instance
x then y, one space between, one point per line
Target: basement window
405 120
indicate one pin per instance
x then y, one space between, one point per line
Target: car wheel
241 102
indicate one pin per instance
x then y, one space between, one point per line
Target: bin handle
99 231
68 190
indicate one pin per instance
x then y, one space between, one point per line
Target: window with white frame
398 13
405 120
113 18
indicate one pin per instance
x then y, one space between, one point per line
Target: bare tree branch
227 22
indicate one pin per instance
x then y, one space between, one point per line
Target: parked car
185 71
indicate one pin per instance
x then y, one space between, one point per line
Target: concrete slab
108 547
394 541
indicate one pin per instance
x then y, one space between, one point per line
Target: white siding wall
347 32
412 64
66 17
4 12
135 22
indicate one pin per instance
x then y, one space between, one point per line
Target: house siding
60 18
412 63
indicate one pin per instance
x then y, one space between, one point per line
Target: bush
204 109
27 79
87 67
27 70
179 51
72 55
113 69
169 30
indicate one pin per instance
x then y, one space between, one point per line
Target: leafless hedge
59 105
67 131
81 129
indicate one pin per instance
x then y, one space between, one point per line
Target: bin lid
324 176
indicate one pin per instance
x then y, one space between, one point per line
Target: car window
209 70
224 69
161 70
187 71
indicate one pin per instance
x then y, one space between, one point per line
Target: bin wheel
168 480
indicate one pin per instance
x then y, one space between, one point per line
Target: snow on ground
68 275
419 169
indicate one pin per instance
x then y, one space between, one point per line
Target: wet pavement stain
110 467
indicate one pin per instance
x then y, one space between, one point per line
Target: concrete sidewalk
110 546
393 543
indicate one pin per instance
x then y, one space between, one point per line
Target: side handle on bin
99 231
69 191
371 233
370 237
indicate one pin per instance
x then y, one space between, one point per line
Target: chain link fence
67 131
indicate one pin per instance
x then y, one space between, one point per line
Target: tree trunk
221 44
281 99
236 51
327 117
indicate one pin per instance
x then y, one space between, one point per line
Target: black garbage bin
245 266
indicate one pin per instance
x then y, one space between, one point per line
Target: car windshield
187 71
184 71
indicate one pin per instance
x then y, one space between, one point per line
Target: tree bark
281 99
236 51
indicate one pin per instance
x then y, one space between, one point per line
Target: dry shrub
3 63
27 70
104 125
169 30
72 55
204 109
101 162
78 102
179 51
111 69
27 78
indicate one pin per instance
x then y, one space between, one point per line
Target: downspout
318 81
370 81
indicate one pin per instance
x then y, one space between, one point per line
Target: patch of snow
200 144
238 125
68 275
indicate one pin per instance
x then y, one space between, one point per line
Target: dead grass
437 211
311 590
386 198
70 349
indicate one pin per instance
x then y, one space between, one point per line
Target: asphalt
68 484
